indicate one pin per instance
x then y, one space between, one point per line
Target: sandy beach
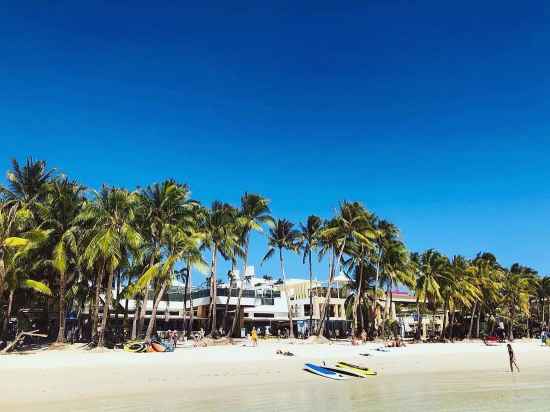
459 376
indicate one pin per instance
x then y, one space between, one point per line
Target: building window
307 310
264 315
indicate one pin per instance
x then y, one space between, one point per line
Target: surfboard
360 370
324 372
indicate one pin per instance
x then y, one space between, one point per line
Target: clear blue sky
434 115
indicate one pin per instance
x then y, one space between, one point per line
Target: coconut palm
487 275
112 219
15 246
178 241
254 213
309 242
283 237
396 269
160 205
430 269
27 184
348 226
457 290
219 237
385 233
63 203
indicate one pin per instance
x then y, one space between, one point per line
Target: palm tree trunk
135 321
214 294
311 294
185 297
125 319
290 324
61 332
418 320
191 312
469 336
385 312
226 311
143 312
326 305
236 317
2 273
117 301
108 298
8 314
151 324
445 306
452 325
478 320
98 284
375 299
322 314
356 298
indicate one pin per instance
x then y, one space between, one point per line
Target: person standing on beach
512 359
254 337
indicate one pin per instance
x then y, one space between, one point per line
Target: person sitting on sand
512 359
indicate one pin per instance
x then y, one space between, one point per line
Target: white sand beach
459 376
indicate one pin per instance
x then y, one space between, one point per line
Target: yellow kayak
355 369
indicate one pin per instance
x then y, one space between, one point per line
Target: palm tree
15 245
396 269
112 219
516 292
254 212
486 277
27 185
220 238
63 203
179 241
309 242
543 290
160 205
350 224
385 233
430 268
457 289
282 237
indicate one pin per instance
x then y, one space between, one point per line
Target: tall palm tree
15 246
430 269
348 225
254 213
220 237
63 204
457 289
487 273
396 269
385 233
283 237
27 184
112 218
309 242
160 205
179 241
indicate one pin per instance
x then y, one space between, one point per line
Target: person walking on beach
254 337
512 359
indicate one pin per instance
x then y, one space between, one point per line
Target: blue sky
434 115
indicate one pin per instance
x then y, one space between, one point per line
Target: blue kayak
324 372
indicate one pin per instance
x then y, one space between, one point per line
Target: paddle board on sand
324 372
357 369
